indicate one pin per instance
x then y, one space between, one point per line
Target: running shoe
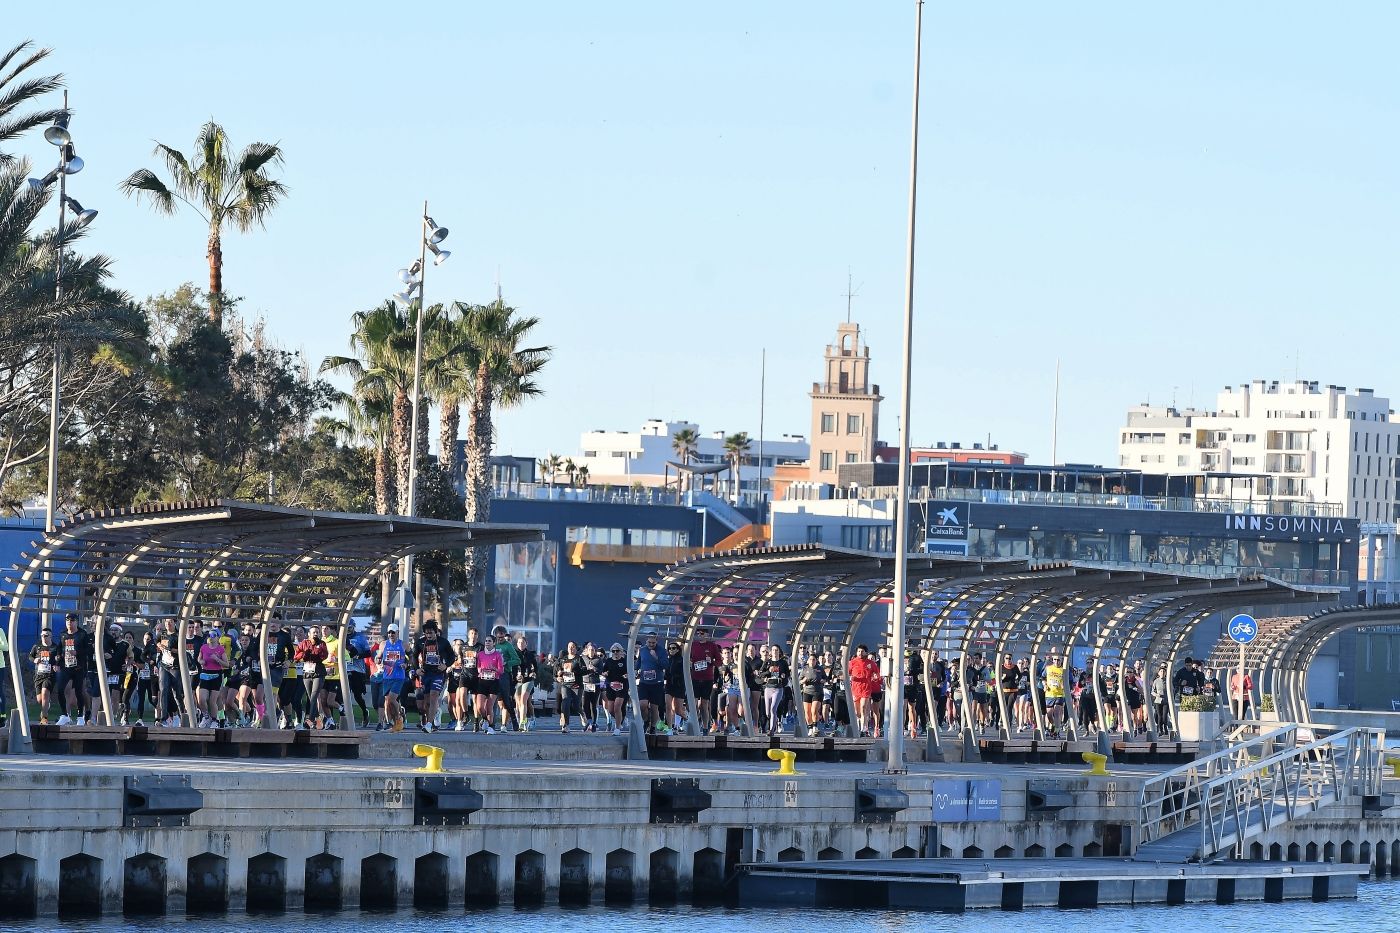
43 720
564 729
140 724
459 727
82 721
64 721
379 727
330 723
122 721
490 731
619 731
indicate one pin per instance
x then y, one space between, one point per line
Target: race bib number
616 685
908 680
488 675
43 667
309 668
70 656
143 674
430 659
700 666
111 680
1187 691
649 677
590 688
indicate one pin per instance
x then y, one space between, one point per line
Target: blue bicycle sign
1242 628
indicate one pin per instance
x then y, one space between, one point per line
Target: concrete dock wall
273 836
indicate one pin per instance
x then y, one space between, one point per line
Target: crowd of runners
495 683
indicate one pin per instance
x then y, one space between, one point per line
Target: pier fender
879 801
677 800
444 801
159 800
1046 797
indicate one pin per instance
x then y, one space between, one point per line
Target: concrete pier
84 835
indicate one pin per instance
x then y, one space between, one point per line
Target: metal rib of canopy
816 597
219 562
1278 659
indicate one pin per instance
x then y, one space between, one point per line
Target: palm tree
736 447
498 370
382 371
571 471
684 442
550 466
581 474
370 420
224 192
98 326
17 93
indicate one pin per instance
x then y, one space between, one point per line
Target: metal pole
894 762
49 508
1241 683
406 572
762 398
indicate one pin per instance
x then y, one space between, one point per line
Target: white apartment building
1296 441
627 457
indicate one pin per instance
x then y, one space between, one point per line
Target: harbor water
1377 906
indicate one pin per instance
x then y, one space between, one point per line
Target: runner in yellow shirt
1054 694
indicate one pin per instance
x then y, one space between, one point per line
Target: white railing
1258 783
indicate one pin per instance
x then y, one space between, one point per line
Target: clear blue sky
1169 200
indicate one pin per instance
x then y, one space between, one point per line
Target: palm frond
143 181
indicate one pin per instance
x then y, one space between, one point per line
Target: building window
828 423
827 462
868 537
814 534
576 533
853 424
852 457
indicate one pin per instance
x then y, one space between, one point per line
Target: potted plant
1197 719
1268 712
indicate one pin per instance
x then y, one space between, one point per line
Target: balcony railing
1102 500
1295 576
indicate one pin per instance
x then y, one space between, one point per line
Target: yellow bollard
785 760
1096 763
1394 764
432 753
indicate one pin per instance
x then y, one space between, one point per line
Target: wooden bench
1144 752
811 748
332 744
682 747
79 740
852 749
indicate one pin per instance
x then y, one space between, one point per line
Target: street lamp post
68 164
430 235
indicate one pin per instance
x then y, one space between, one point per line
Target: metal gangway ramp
1211 807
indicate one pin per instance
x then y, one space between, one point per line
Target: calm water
1377 907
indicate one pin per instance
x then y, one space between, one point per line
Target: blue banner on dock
966 801
951 801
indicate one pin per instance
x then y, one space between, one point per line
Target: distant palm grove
179 395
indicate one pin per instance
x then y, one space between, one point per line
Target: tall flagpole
894 732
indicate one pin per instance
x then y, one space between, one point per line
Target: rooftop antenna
498 283
850 293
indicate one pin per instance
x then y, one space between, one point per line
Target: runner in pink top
490 668
211 678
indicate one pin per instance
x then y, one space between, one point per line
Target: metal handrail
1236 794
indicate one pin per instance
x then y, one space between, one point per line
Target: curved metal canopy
220 562
809 595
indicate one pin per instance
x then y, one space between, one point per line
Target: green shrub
1197 704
